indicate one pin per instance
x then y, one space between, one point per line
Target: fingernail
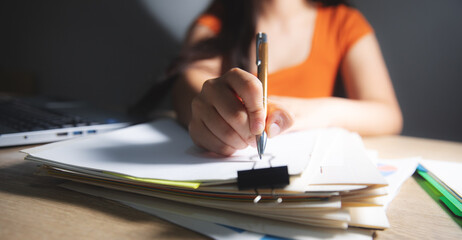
274 130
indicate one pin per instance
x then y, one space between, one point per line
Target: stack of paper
334 185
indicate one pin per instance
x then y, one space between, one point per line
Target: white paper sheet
338 158
164 150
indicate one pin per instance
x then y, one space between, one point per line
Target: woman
219 98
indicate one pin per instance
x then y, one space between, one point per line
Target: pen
262 74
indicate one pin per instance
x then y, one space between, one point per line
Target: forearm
182 94
365 117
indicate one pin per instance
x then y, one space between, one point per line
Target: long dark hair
238 25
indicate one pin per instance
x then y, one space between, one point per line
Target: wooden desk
34 207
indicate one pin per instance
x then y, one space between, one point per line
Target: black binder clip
272 177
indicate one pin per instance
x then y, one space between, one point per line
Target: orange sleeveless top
336 30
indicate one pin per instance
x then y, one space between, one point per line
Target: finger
217 125
249 89
204 138
278 121
230 109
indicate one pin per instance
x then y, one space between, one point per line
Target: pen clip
261 38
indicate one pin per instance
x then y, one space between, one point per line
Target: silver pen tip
261 144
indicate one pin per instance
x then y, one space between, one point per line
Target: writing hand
228 112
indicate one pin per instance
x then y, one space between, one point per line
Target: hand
228 113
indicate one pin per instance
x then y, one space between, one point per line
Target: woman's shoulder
342 20
341 13
342 25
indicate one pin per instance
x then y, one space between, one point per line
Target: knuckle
207 85
286 119
253 85
229 134
242 146
196 104
236 138
238 117
250 138
233 139
224 149
258 115
235 70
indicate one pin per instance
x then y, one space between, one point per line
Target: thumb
278 121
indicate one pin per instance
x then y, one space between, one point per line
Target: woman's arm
190 82
189 85
371 107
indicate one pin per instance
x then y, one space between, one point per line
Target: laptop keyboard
18 116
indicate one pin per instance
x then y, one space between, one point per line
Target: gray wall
422 45
104 51
110 51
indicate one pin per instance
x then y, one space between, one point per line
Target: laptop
36 120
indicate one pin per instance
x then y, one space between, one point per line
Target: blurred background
110 52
